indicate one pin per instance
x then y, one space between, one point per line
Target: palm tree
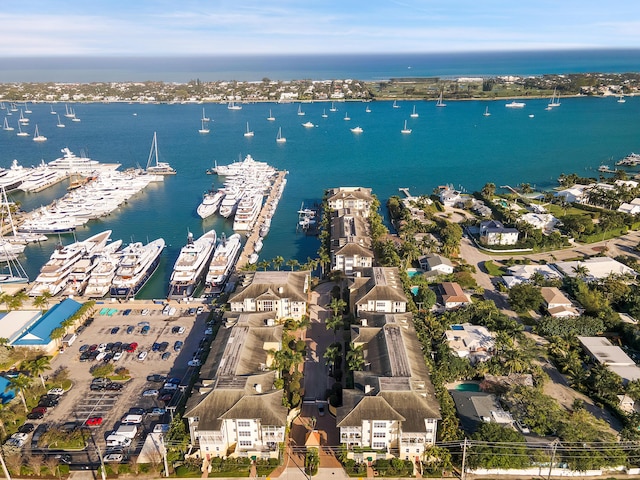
337 306
293 263
580 270
47 296
57 333
264 264
39 366
333 323
277 262
330 355
19 383
355 358
489 190
40 303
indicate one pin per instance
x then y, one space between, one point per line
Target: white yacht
210 203
41 177
137 264
155 166
71 163
54 274
514 104
229 202
38 137
247 212
82 271
192 263
224 258
99 282
233 106
12 178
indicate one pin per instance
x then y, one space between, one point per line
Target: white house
574 194
356 198
281 292
378 290
632 208
517 274
452 296
597 268
557 304
493 232
436 263
474 342
541 221
450 197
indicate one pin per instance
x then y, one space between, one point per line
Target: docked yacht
229 202
154 166
71 163
81 273
137 264
41 177
191 266
99 282
247 212
11 178
224 258
54 274
210 203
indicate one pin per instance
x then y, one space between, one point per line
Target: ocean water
455 145
316 67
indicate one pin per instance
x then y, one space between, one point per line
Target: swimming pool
468 387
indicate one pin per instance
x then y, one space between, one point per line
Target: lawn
493 269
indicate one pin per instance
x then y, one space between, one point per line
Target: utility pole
4 467
102 470
164 456
554 446
463 474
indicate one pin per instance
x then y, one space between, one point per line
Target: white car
150 393
102 347
100 356
142 355
21 437
172 311
55 391
117 356
194 363
112 458
181 330
145 312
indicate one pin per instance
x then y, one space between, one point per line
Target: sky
230 27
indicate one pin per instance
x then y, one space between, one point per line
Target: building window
244 434
379 445
244 423
245 443
267 306
379 424
379 435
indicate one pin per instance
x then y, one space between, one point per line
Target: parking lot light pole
4 467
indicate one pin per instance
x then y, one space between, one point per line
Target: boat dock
405 190
254 236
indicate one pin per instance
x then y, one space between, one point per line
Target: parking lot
86 402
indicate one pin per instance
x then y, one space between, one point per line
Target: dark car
40 430
27 428
35 415
93 347
192 311
174 380
64 458
69 426
175 329
166 355
117 347
156 377
115 330
166 398
49 403
136 411
85 356
145 330
42 410
88 322
130 329
115 386
163 346
84 348
95 387
127 311
178 346
155 347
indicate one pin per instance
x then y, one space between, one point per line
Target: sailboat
153 165
60 124
37 137
300 112
621 99
395 104
324 113
271 118
367 109
68 113
414 114
16 237
232 106
279 137
23 120
405 129
248 133
555 100
74 118
21 133
486 112
333 107
346 116
6 125
26 108
440 103
53 112
204 128
204 117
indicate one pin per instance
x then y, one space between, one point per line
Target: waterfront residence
450 197
540 221
235 409
602 351
452 296
392 410
632 208
478 207
281 292
493 232
474 342
557 304
350 242
436 263
575 194
475 408
595 268
33 330
378 290
356 198
517 274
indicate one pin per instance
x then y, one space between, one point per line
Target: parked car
132 347
35 415
96 387
69 426
115 386
42 410
64 458
113 457
156 412
136 411
93 421
166 398
27 428
126 312
178 346
166 355
117 356
150 393
142 355
163 346
199 310
194 363
155 347
145 312
156 377
55 391
83 348
192 311
115 330
100 381
130 329
145 330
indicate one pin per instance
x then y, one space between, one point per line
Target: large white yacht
11 178
82 271
191 265
210 203
41 177
137 264
224 258
54 274
247 212
102 275
71 163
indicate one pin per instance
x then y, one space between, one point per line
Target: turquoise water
414 290
455 145
412 272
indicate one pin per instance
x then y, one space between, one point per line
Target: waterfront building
392 410
474 342
595 268
493 232
436 263
283 293
356 198
236 410
378 290
350 242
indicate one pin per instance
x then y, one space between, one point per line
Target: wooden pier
248 249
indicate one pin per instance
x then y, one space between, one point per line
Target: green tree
40 303
337 306
489 190
263 264
505 448
277 262
293 264
355 358
19 384
38 366
524 297
334 323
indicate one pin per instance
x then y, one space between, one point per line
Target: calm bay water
454 145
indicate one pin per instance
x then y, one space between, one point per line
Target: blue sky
214 27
